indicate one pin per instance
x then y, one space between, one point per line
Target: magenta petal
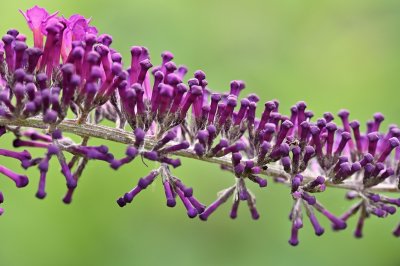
37 19
35 16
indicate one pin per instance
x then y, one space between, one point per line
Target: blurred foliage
332 54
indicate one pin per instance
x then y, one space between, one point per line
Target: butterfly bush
71 80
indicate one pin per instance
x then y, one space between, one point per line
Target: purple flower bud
182 70
234 209
343 141
336 222
169 136
150 155
181 146
21 156
199 207
372 142
378 119
269 107
173 162
260 181
222 199
331 128
20 180
215 98
26 143
139 137
379 212
181 89
392 143
308 198
319 230
286 164
194 93
296 182
191 211
169 194
294 241
187 191
199 149
251 203
316 182
131 153
50 117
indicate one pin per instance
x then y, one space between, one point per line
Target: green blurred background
332 54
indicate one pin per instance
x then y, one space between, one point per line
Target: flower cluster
72 71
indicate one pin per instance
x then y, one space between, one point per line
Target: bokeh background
332 54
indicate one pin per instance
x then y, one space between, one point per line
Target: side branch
125 137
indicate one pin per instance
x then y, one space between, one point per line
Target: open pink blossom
37 19
77 27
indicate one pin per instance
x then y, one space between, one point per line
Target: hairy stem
125 137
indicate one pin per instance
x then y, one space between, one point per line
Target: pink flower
37 19
77 28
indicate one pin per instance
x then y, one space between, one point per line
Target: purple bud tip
121 202
199 75
240 146
52 149
253 98
115 164
232 101
50 117
301 105
192 213
270 105
343 114
196 90
320 180
314 130
22 181
372 137
216 97
136 50
41 194
173 79
378 117
339 225
394 142
68 69
331 126
346 135
262 182
193 82
57 134
379 212
170 67
139 134
20 46
167 56
287 124
355 167
293 242
171 202
151 155
354 124
131 152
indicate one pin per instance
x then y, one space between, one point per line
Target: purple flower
77 27
164 118
37 19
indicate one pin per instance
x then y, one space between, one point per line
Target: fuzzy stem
125 137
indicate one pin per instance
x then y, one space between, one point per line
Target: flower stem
125 137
